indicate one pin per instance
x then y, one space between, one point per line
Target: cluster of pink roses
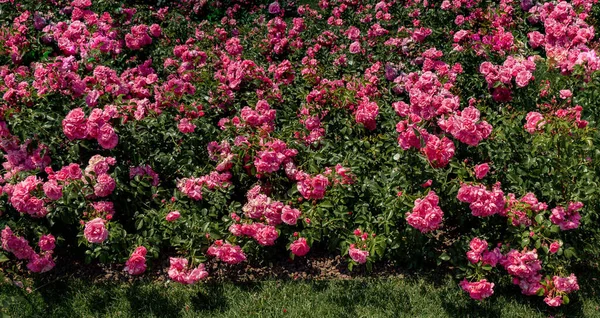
523 211
20 248
482 202
518 69
261 207
567 36
558 287
23 197
262 116
274 153
478 290
97 126
479 253
225 252
140 36
358 251
569 218
426 215
179 271
192 187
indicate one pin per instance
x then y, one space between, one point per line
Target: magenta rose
95 231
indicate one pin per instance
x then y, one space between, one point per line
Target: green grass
397 297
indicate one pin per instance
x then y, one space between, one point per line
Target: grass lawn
416 296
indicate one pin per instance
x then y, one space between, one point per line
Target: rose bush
423 132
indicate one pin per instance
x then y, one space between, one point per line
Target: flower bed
457 133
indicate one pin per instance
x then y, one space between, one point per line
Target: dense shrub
455 132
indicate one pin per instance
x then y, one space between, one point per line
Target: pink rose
478 290
565 93
185 126
535 122
355 47
172 216
481 170
107 138
105 185
358 255
553 301
40 264
47 242
155 30
554 247
136 264
95 231
289 215
299 247
523 78
53 190
75 124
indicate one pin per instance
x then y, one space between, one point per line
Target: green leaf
326 204
445 257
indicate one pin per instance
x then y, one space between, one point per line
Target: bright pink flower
569 219
426 215
466 126
481 170
75 124
289 215
478 290
19 246
523 78
366 113
185 126
566 284
312 187
482 201
172 216
266 235
227 253
554 247
136 264
104 186
179 271
553 301
535 122
300 247
95 231
107 138
358 255
47 242
40 264
492 257
565 93
53 190
439 151
355 47
536 39
523 265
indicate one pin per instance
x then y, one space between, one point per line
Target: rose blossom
172 216
478 290
481 170
358 255
554 247
136 264
47 242
95 231
299 247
